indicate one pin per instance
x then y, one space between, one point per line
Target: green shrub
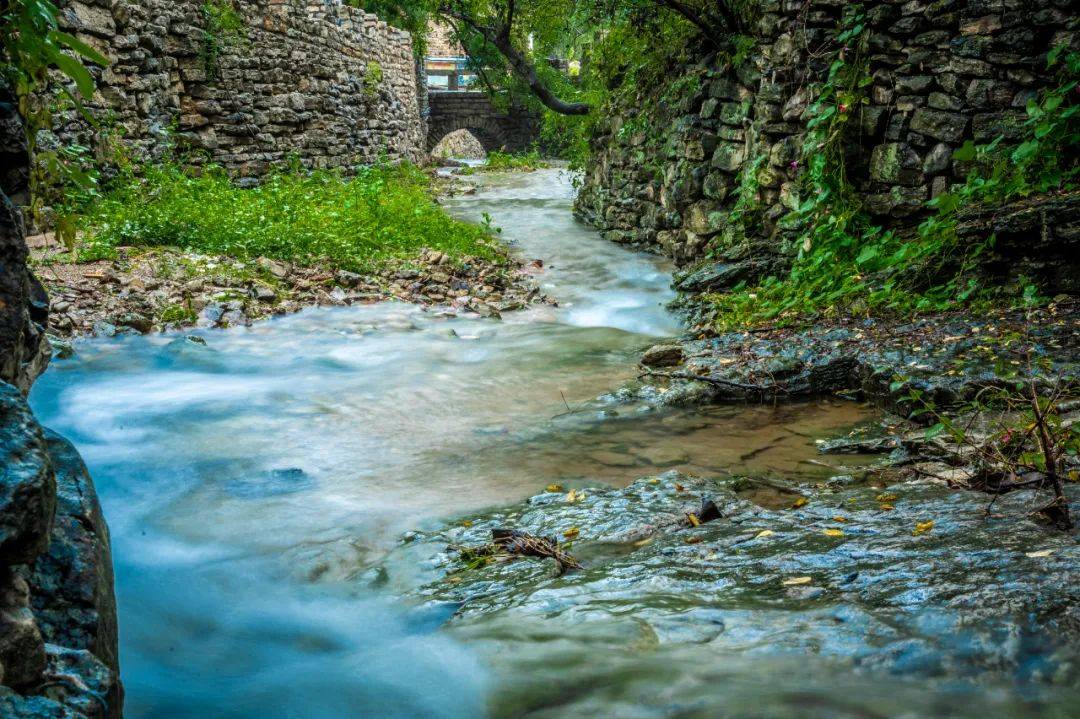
381 214
526 161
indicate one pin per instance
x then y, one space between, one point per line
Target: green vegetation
42 68
373 79
380 215
521 161
224 29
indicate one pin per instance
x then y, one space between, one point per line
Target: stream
258 482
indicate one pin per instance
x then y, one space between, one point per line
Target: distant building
446 65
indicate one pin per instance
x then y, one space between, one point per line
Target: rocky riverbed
162 289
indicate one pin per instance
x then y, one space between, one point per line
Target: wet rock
667 355
76 686
22 651
211 315
859 445
104 329
133 320
72 583
27 484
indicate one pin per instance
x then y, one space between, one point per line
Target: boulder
72 583
662 356
27 485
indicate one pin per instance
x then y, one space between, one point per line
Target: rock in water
662 356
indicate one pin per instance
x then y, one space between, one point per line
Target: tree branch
731 20
500 39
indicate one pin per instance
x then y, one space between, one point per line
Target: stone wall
311 79
942 73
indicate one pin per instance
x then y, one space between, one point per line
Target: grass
381 215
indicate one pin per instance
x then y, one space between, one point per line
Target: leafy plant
373 79
382 214
32 47
521 161
224 29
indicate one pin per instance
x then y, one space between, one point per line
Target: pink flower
843 107
794 164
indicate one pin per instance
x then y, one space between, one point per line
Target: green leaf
868 253
75 70
934 431
80 47
966 152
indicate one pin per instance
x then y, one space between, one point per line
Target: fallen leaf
571 533
679 487
693 540
834 532
554 488
838 518
886 497
643 542
466 523
694 521
574 496
797 580
800 502
764 533
922 527
886 508
1040 553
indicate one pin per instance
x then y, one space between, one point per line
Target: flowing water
252 482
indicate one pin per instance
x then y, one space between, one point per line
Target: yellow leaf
834 532
571 533
801 501
693 519
838 518
922 527
466 523
554 488
886 497
643 542
654 480
693 540
679 487
1041 553
886 508
764 533
797 580
574 496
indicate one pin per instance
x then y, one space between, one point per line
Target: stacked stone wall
313 80
942 73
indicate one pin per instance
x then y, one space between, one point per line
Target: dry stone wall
309 79
942 72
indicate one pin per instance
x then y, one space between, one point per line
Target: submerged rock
915 580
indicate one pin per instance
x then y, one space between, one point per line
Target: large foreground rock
27 488
72 584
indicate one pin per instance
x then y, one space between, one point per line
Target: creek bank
163 289
843 577
948 356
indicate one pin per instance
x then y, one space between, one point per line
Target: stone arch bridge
511 131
